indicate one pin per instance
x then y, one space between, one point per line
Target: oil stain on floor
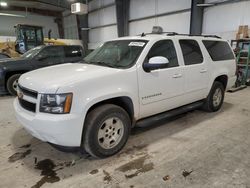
137 166
95 171
25 146
47 171
19 155
107 178
186 173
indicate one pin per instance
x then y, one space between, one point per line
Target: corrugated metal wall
179 22
223 20
103 21
70 26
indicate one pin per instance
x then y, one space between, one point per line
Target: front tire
215 98
106 130
12 83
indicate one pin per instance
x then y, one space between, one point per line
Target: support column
59 22
84 32
196 19
122 16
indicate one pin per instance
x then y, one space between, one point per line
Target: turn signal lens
67 105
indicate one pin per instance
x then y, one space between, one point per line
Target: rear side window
73 51
218 50
191 52
166 49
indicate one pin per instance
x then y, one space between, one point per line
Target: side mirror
155 63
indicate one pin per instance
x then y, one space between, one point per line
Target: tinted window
218 50
191 52
52 53
73 51
166 49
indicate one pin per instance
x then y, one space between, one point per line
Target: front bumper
60 129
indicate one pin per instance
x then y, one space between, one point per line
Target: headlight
56 103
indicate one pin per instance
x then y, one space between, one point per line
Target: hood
9 62
50 79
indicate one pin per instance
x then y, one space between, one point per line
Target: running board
168 114
234 89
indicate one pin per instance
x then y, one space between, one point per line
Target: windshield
31 53
117 54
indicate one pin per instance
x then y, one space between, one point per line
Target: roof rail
174 34
214 36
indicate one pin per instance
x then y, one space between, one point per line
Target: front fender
105 97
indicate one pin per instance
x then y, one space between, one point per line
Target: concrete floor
196 149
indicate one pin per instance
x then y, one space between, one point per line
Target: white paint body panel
91 84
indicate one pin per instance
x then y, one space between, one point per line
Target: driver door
162 89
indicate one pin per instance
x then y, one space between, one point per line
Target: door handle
177 75
203 70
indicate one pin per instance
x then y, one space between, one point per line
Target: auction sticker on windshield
140 44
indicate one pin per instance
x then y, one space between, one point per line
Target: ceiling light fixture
11 15
85 28
3 4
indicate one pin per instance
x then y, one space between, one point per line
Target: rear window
73 51
191 52
218 50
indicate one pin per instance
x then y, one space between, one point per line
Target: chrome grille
27 98
27 105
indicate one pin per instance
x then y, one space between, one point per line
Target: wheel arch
124 102
11 73
222 79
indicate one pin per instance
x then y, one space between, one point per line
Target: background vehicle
28 37
124 81
4 56
38 57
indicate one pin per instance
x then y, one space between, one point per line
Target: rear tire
106 130
12 83
215 98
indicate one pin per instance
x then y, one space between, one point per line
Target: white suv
93 104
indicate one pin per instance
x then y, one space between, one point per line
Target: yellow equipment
28 37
